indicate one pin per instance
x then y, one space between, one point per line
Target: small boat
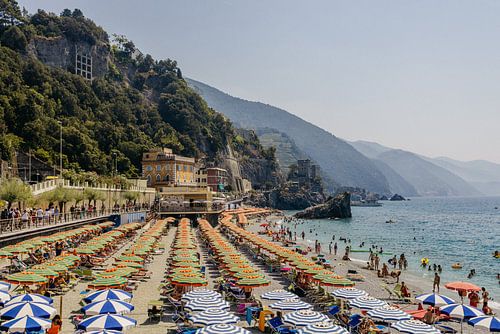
390 221
456 266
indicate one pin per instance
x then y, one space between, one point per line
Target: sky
418 75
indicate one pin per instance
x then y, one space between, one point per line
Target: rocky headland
335 207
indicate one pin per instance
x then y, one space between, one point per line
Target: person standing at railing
24 219
56 215
39 216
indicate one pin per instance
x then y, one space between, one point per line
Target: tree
77 13
61 196
14 190
130 196
93 195
14 38
66 12
78 197
10 13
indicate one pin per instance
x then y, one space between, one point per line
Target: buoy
456 266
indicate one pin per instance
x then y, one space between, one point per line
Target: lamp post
60 149
113 163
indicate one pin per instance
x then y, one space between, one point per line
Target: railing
213 208
19 224
49 185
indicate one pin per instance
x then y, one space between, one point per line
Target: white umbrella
30 297
107 321
213 317
326 327
202 304
200 293
303 318
25 324
222 329
388 313
278 295
291 305
435 299
415 327
349 293
367 303
489 322
17 310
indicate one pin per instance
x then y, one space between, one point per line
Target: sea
444 230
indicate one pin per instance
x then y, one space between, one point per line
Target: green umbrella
44 272
252 282
108 281
4 253
185 259
26 278
129 264
246 275
183 280
60 268
130 258
186 264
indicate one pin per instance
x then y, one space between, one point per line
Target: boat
390 221
456 266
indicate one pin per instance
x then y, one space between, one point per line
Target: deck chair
397 292
277 326
389 291
354 321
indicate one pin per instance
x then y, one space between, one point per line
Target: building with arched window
163 168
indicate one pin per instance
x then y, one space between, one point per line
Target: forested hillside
133 103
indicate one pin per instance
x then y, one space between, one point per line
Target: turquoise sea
445 230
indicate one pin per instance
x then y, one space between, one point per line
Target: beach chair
399 294
391 293
277 326
445 329
354 322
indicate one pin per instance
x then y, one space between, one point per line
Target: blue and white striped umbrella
30 297
490 323
292 304
104 331
388 313
205 303
4 286
349 293
435 299
415 327
303 318
325 327
367 303
107 321
33 309
278 295
214 317
25 324
200 293
222 329
4 297
107 306
461 311
115 294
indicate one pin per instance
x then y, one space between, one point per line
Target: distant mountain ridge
339 160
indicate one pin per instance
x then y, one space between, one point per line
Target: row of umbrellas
231 260
301 263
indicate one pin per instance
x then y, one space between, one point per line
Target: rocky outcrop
397 197
284 198
335 207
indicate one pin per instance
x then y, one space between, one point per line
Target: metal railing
33 222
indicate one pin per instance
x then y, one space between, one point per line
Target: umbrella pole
60 305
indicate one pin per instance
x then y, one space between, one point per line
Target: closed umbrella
291 305
303 318
278 295
325 327
434 299
213 317
107 321
200 293
222 329
204 303
26 324
33 309
115 294
31 297
415 327
108 306
388 314
367 303
488 322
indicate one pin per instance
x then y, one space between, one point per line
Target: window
158 168
149 168
178 167
190 168
158 178
166 178
149 180
185 168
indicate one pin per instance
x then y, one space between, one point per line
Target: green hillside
136 104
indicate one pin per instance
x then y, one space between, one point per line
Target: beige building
162 168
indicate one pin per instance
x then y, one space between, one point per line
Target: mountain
108 99
397 183
338 160
483 175
421 173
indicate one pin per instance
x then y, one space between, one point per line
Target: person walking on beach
303 235
437 281
335 249
486 297
377 261
330 248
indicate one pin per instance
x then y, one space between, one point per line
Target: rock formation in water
285 198
397 197
335 207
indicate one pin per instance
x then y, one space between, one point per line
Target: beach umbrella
462 286
292 304
130 258
104 331
107 321
107 306
222 329
388 313
104 282
461 311
349 293
367 303
325 327
204 303
4 297
46 272
26 324
33 309
252 282
4 286
303 318
415 327
490 323
278 295
200 293
115 294
26 278
213 317
5 254
434 299
188 280
31 297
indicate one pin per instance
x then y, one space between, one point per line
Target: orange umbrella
462 286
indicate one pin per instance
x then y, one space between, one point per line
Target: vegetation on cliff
141 103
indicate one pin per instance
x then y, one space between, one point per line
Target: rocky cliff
284 198
335 207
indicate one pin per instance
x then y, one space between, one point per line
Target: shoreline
416 284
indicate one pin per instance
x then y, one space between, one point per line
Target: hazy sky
422 75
